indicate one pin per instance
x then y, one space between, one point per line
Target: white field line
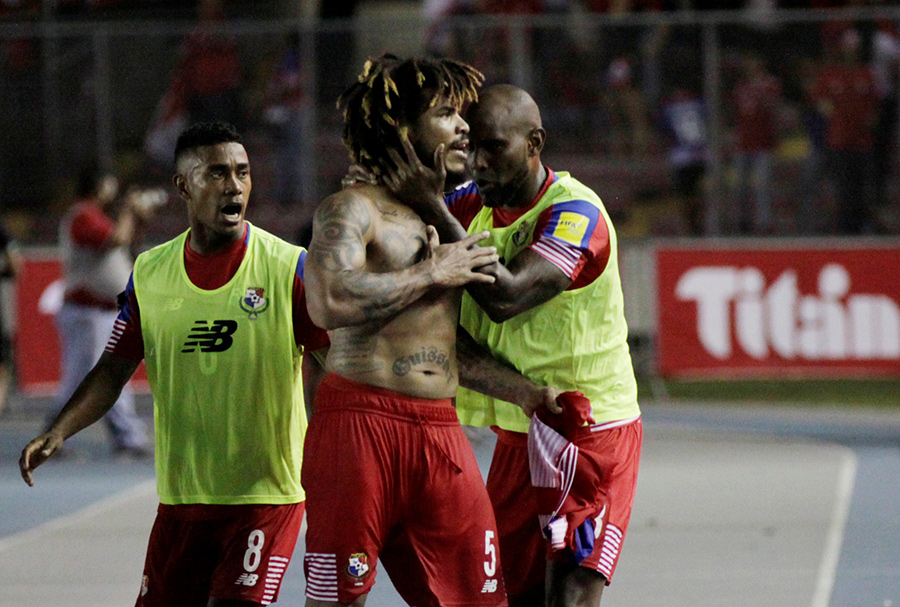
835 538
100 507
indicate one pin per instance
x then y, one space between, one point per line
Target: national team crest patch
358 566
254 302
571 228
522 234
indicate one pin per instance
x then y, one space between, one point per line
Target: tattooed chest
401 240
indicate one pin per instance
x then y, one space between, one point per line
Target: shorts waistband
212 512
509 437
375 399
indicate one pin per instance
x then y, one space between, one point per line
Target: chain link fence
115 93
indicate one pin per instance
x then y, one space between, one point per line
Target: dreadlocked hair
391 94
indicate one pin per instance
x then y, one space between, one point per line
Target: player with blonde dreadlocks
386 465
392 94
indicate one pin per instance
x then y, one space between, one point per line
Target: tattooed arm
481 372
343 291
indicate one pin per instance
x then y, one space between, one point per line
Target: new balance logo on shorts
215 337
247 579
490 586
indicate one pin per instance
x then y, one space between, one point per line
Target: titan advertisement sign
779 311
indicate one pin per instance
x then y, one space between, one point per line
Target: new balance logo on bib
215 337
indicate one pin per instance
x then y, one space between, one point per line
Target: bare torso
414 350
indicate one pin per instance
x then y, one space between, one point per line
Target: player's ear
181 186
536 139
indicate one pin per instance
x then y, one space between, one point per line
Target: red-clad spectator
209 72
757 100
96 266
847 95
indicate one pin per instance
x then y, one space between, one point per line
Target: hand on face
413 183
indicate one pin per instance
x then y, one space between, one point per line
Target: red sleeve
126 339
306 334
91 228
573 235
464 203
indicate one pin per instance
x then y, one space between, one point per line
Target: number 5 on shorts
254 550
490 551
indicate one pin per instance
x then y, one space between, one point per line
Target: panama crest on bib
254 302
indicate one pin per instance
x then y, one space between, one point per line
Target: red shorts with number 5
202 551
394 477
525 551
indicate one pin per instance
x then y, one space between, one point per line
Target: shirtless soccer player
387 470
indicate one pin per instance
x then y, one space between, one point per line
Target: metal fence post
309 185
103 106
50 98
520 52
715 196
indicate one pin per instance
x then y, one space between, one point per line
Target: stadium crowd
782 151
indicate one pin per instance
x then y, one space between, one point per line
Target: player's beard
505 194
455 179
452 179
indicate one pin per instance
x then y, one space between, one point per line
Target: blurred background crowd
689 117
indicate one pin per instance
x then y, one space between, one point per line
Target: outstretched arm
96 395
481 372
342 291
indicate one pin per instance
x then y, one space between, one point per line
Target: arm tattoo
339 247
481 372
340 235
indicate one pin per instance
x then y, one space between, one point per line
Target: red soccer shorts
200 551
393 477
524 549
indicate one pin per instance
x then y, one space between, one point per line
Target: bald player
555 311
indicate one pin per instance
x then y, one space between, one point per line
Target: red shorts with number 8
201 551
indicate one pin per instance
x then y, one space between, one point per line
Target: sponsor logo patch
247 579
172 304
571 228
215 337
